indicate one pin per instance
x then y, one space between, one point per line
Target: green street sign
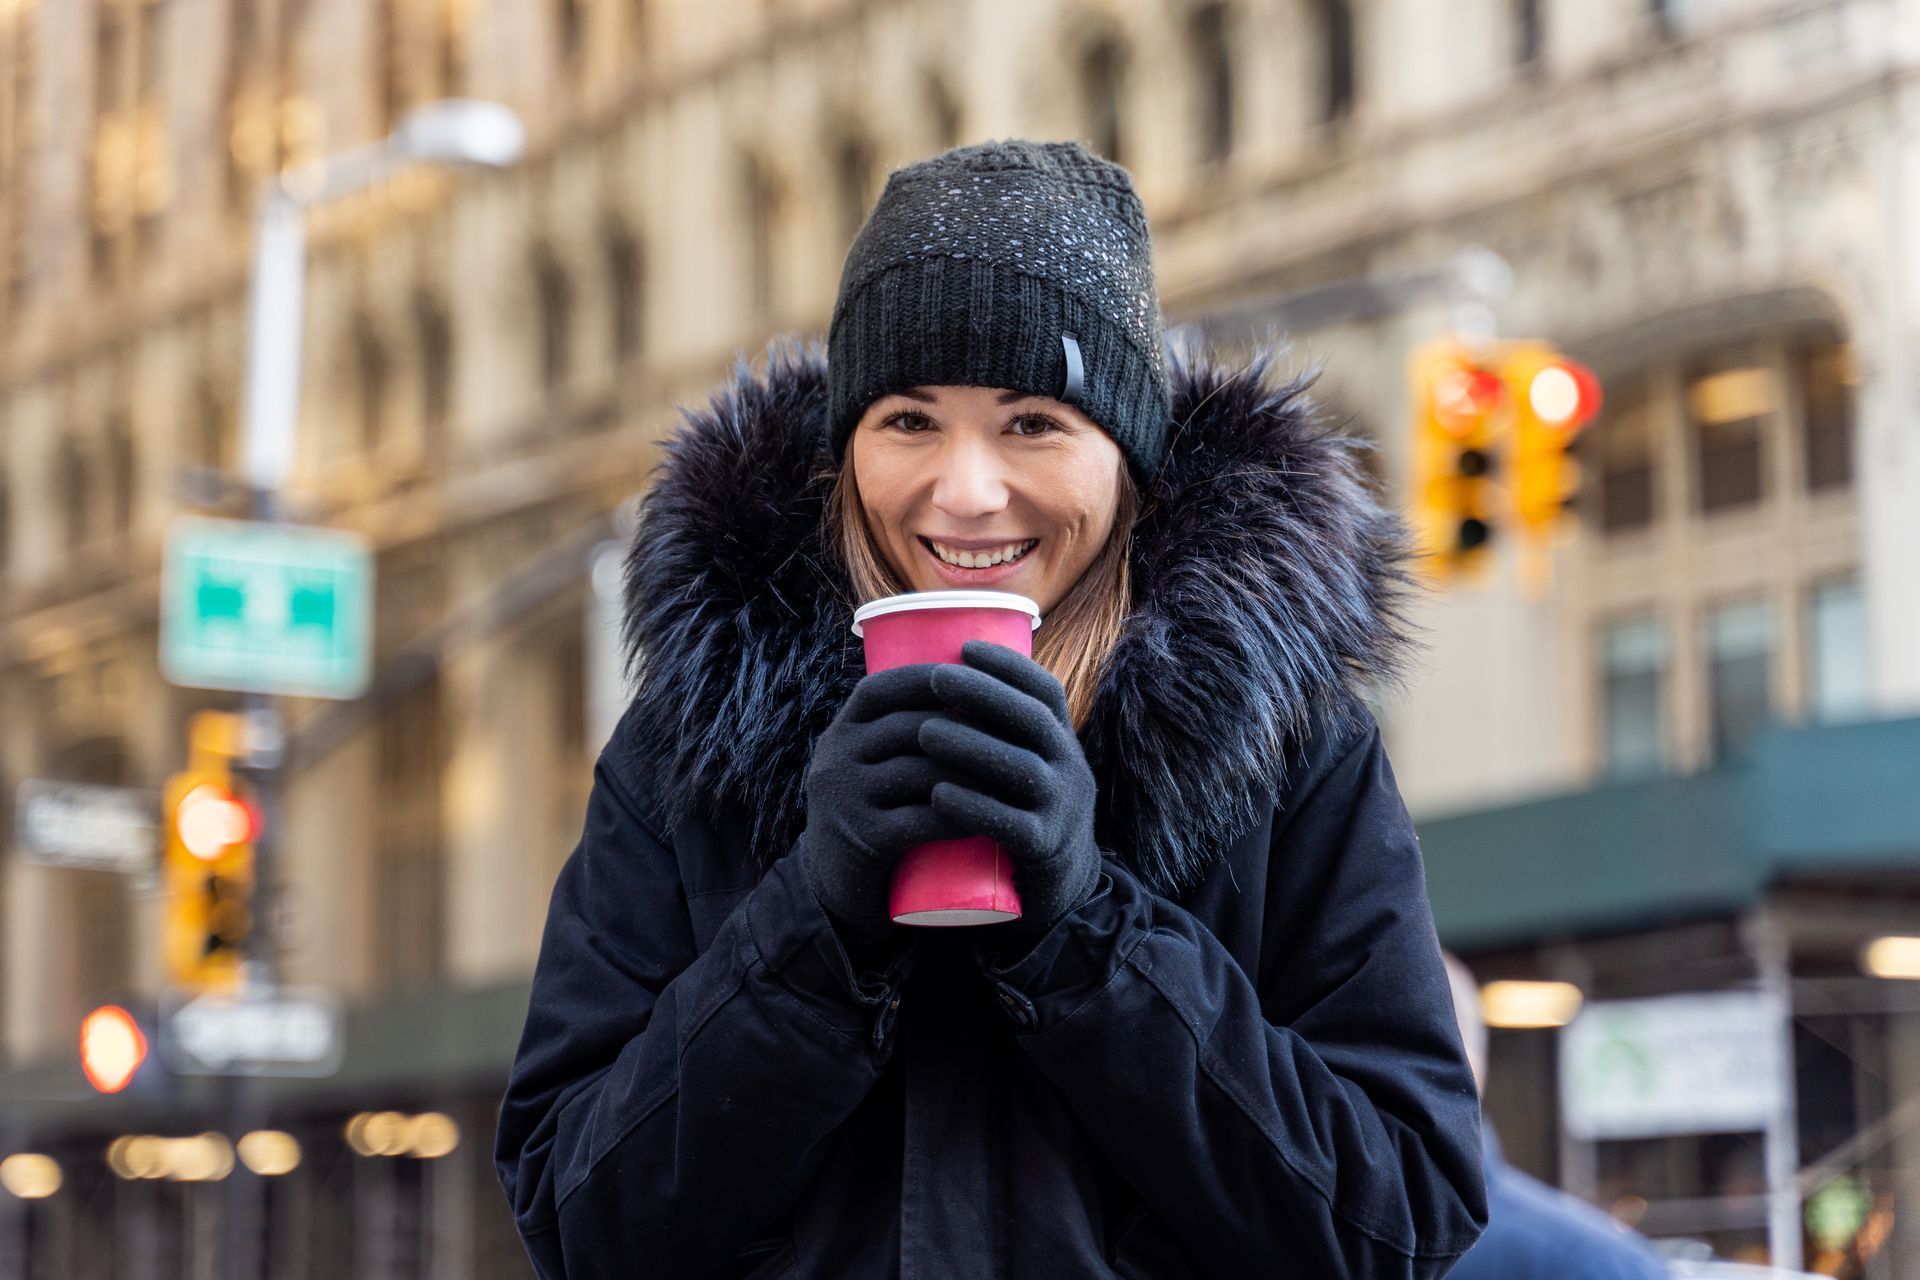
266 607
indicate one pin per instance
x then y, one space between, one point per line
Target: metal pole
1773 959
273 405
274 302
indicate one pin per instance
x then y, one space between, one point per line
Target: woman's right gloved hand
868 793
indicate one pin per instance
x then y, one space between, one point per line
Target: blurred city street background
336 340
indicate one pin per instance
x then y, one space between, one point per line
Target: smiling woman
960 486
1218 1038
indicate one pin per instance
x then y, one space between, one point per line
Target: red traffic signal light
112 1047
210 819
1564 395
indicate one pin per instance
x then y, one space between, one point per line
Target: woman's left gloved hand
1026 783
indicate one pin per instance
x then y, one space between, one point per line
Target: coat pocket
762 1259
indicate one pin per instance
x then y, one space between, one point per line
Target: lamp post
456 131
459 132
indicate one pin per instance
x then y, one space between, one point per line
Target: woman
1219 1042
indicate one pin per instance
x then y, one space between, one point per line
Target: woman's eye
1033 426
909 422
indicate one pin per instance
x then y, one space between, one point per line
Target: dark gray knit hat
1020 265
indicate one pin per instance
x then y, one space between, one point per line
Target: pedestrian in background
1218 1042
1534 1231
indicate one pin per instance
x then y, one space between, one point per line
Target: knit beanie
1020 265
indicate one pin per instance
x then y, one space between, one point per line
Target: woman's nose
971 481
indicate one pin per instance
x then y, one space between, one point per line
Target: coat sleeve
1325 1117
665 1107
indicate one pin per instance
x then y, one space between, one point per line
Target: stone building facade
1714 202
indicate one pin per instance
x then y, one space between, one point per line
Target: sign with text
89 828
288 1032
266 607
1708 1063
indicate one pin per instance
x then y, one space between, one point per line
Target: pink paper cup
948 882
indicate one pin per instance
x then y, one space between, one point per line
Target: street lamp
452 132
456 131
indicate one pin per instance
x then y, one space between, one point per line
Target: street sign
69 824
266 607
1707 1063
292 1031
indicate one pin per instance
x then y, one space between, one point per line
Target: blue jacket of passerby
1536 1232
1237 1059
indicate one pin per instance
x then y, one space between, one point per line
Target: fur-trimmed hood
1267 582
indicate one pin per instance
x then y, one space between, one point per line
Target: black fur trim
1268 584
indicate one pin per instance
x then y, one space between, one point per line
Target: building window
1336 61
449 51
389 82
101 900
1739 674
1729 398
19 134
113 143
1102 70
568 29
1619 452
410 869
151 189
1839 678
1208 45
1633 665
1827 380
1527 34
75 487
626 288
943 111
853 168
758 200
434 332
213 426
554 308
122 476
637 25
370 369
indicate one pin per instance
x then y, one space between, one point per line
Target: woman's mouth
987 564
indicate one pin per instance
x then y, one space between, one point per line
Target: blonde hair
1078 634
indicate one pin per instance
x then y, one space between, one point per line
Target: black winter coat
1238 1059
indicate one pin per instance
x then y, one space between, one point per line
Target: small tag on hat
1075 382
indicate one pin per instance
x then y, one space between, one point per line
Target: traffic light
112 1047
211 828
1493 433
1553 398
1460 406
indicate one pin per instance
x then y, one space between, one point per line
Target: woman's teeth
982 559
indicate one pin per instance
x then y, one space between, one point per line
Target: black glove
867 789
1026 784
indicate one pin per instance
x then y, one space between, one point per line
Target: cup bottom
952 917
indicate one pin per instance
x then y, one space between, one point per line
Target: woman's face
975 487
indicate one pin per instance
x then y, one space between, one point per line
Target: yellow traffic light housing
210 830
1460 413
1553 398
1493 434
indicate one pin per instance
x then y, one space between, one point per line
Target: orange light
112 1048
210 819
1463 395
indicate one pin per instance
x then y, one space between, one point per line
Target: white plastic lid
945 600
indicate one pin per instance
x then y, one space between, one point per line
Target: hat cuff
946 321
